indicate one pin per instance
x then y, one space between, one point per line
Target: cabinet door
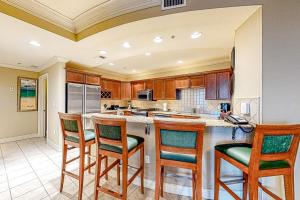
137 86
211 86
92 80
74 77
223 85
182 83
197 81
170 89
116 90
158 89
149 84
125 90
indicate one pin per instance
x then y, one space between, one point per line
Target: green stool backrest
277 144
175 138
71 125
110 132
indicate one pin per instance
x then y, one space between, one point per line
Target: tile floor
30 170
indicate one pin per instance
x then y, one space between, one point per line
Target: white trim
40 108
16 138
53 145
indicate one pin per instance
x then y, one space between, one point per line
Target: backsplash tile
255 110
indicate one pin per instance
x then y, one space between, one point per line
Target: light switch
245 108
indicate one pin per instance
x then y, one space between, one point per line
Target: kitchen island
178 181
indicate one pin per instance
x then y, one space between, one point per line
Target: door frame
42 91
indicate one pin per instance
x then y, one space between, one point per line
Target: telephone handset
234 119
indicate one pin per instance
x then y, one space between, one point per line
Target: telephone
234 119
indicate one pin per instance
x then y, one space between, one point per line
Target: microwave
145 95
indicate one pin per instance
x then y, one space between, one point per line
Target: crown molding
99 13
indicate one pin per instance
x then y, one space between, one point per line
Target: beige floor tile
5 195
36 194
24 188
22 179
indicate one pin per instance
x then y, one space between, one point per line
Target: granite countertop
149 120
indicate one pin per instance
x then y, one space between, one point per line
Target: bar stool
113 141
273 153
74 136
179 144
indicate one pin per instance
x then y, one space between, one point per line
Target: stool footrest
236 197
274 196
71 174
134 175
110 192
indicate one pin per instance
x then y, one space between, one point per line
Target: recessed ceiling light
133 71
147 54
179 61
196 35
111 64
103 52
126 45
34 43
158 39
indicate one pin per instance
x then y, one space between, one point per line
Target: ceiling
216 25
78 15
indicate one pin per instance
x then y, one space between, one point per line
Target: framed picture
27 94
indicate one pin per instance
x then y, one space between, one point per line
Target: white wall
56 101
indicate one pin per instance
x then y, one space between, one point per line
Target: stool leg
81 172
89 158
289 186
162 174
194 185
142 163
124 177
199 183
118 174
106 165
253 186
217 176
245 186
63 166
157 180
97 175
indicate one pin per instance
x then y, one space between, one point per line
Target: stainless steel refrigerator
82 99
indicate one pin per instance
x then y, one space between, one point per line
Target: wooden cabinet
182 83
116 90
211 86
223 85
149 84
158 89
75 77
197 81
106 84
92 79
170 89
217 86
125 90
135 87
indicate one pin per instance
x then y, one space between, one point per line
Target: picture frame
27 94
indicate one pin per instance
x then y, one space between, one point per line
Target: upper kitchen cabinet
223 85
75 77
92 79
116 90
197 81
149 84
182 83
137 86
106 84
217 86
211 86
159 89
125 90
170 89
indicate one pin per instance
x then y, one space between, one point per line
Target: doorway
43 106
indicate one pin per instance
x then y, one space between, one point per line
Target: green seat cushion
241 152
132 142
89 134
178 157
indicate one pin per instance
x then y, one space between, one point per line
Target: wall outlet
11 89
147 159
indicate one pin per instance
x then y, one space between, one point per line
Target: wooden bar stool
75 137
273 153
179 145
112 141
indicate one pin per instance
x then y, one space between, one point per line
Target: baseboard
21 137
53 145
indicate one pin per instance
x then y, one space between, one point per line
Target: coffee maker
225 109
